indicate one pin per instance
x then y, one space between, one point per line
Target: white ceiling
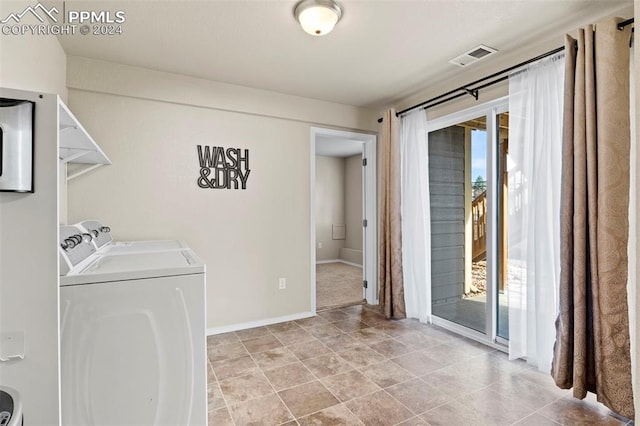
330 146
381 51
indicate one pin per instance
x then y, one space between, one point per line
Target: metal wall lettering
222 168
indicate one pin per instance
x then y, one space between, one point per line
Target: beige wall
353 201
330 205
149 124
31 62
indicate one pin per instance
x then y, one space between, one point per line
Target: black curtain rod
469 89
623 24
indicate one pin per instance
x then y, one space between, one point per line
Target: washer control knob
77 238
105 229
70 243
94 232
87 238
64 245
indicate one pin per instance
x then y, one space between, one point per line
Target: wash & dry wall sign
222 168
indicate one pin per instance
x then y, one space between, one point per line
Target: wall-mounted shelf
76 145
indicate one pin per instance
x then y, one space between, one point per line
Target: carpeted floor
338 284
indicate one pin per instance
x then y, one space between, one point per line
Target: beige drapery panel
391 289
592 349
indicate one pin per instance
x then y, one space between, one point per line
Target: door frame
370 194
488 109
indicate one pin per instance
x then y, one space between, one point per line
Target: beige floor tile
500 409
414 421
372 317
448 354
261 344
220 417
536 420
418 396
418 340
452 382
252 333
283 326
289 376
394 327
532 395
379 409
456 414
418 363
542 379
215 400
334 315
228 351
222 339
391 348
309 349
294 337
325 330
571 411
338 415
274 358
351 324
387 374
307 398
311 322
327 365
245 388
235 367
370 335
485 369
349 385
353 310
361 356
461 382
441 335
341 342
266 410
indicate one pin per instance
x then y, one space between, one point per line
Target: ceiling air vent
473 55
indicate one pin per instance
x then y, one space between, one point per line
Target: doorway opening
343 218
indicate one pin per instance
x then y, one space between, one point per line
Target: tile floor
350 366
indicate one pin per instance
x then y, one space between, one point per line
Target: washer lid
129 247
122 267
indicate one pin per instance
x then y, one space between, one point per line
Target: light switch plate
11 345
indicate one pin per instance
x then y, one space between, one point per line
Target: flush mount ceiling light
318 17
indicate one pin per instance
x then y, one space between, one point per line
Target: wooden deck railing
479 217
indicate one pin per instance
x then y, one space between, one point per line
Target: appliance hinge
365 284
364 223
364 162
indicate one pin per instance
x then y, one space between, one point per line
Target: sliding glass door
468 242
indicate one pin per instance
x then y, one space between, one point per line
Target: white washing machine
103 241
133 344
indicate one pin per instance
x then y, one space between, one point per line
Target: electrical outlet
320 245
282 283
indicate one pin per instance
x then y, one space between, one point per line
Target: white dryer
133 344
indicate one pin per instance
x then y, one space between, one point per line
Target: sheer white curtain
534 166
416 217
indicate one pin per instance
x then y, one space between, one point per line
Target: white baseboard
259 323
318 262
